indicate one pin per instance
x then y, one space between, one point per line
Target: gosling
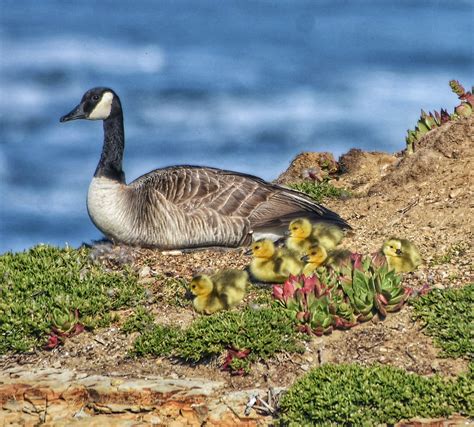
402 255
318 256
314 258
221 291
303 235
300 238
272 265
327 235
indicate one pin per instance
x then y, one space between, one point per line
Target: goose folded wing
233 194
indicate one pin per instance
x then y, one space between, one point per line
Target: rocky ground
425 197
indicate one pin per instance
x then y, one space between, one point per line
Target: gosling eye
257 247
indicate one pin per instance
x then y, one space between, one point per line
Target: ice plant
431 121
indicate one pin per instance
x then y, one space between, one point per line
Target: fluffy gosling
300 238
303 235
318 256
221 291
402 255
327 235
270 264
314 258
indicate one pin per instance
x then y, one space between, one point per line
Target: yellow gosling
271 265
327 235
314 258
222 291
299 236
402 255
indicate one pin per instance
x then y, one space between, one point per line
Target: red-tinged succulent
230 362
431 121
343 296
459 90
308 299
53 341
64 325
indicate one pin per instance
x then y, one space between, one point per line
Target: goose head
300 228
392 247
201 285
99 103
263 249
315 255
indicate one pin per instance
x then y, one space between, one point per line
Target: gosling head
392 247
315 255
201 285
263 248
99 103
300 228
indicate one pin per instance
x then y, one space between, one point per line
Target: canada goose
222 290
271 264
402 255
181 206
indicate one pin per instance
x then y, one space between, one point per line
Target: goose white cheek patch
103 108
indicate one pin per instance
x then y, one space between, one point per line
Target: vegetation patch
37 285
140 320
320 190
448 317
356 396
454 251
250 334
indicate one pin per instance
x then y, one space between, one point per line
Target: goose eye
95 97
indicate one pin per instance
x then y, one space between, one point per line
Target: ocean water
242 85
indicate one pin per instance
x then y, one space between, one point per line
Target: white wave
95 53
302 110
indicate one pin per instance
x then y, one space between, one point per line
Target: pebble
144 272
172 253
455 193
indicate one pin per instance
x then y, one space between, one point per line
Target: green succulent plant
431 121
340 298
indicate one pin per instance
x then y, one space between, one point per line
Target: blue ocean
242 85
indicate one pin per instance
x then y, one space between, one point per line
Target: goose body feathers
182 206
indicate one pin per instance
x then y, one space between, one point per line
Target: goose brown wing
233 194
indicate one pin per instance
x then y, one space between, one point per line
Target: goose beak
189 295
76 113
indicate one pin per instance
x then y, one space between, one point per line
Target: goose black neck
110 163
